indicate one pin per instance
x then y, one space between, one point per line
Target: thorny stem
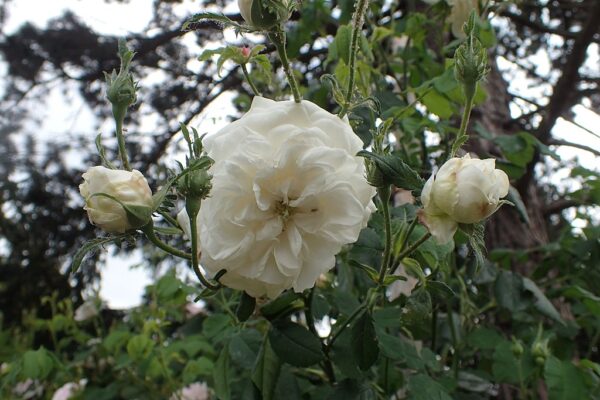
357 23
121 141
278 39
384 195
462 132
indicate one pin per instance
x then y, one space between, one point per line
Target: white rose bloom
195 391
288 192
465 190
69 390
129 187
246 10
86 311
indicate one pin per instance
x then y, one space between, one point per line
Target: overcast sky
122 287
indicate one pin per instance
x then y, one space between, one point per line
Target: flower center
284 210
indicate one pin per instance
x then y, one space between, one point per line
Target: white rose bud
258 16
288 192
464 191
127 188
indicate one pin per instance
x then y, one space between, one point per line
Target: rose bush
288 192
464 191
128 188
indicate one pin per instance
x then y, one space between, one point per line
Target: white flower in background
195 391
465 190
87 310
129 187
69 390
461 9
399 287
28 389
288 192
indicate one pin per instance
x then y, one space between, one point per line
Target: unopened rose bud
257 15
121 88
246 51
464 191
470 60
116 200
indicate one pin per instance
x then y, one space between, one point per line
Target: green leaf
372 272
440 291
342 44
508 288
266 370
399 348
423 387
351 389
202 366
295 344
215 325
221 379
438 104
564 380
395 171
542 304
246 307
286 303
515 197
364 342
166 287
139 346
589 300
243 348
37 364
92 245
219 18
381 33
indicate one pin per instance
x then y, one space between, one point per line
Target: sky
122 286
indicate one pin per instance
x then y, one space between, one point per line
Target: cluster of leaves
450 335
522 322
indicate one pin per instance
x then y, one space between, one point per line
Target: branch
229 81
560 205
560 142
539 27
561 98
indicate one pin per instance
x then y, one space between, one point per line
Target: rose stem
357 23
149 232
278 39
249 80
